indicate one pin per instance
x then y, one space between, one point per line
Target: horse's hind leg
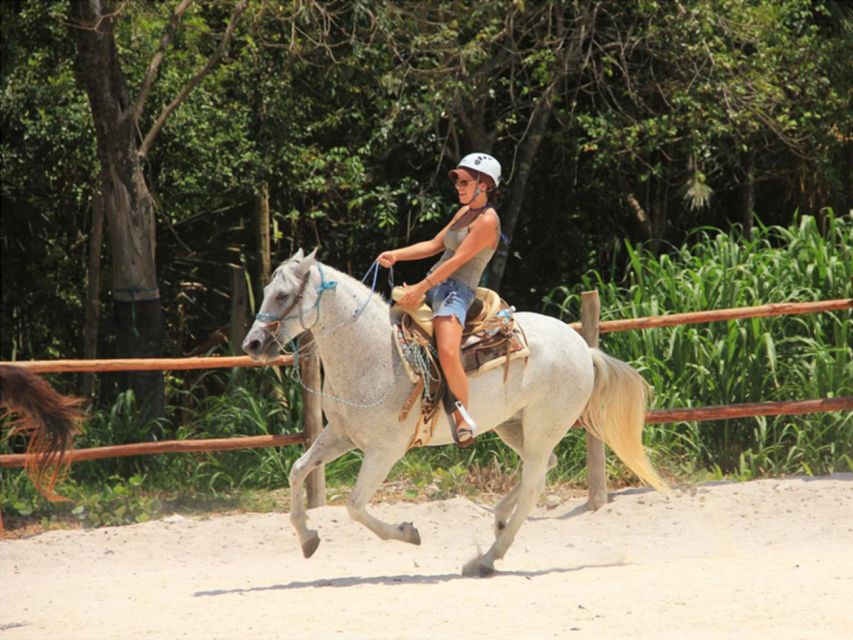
512 435
528 491
542 431
328 446
374 469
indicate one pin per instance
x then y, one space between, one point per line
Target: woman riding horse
468 241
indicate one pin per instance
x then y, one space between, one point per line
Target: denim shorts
451 298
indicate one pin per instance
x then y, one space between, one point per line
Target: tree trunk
748 193
128 203
659 217
510 215
640 214
93 291
239 303
567 55
263 227
843 204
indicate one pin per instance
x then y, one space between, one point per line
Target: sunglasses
462 183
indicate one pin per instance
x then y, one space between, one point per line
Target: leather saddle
491 338
486 305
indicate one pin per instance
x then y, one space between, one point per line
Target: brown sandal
464 437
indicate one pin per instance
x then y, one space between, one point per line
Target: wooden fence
590 327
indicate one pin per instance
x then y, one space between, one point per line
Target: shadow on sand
355 581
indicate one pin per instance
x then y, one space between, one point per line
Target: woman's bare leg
448 339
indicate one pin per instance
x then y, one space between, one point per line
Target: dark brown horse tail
48 418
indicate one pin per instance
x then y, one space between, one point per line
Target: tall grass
779 358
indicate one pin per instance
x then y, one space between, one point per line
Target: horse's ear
298 255
308 262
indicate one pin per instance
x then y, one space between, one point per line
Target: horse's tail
616 414
48 418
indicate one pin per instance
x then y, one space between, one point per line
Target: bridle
272 322
273 327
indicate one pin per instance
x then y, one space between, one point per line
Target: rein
272 322
273 327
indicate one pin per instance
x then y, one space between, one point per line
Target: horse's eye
281 297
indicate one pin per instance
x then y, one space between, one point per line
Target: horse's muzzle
259 344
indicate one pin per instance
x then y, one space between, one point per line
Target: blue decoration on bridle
324 286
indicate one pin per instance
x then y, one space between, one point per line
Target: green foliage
118 502
231 405
352 114
112 501
47 160
779 358
213 405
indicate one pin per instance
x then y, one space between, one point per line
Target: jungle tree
117 111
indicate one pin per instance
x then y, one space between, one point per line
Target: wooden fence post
596 477
312 418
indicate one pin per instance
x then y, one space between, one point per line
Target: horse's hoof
310 545
478 568
410 534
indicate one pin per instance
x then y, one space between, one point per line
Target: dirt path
766 559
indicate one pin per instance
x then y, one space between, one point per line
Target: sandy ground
765 559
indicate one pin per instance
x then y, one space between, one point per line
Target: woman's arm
415 251
425 249
483 233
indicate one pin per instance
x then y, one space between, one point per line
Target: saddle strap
506 356
410 401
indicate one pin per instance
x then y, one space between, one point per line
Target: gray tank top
470 272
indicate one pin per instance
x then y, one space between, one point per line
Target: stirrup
470 428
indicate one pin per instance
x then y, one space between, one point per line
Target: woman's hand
387 259
414 294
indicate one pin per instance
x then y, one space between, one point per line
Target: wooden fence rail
590 326
737 313
144 364
164 446
312 418
654 416
750 410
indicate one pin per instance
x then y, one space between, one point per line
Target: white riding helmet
482 162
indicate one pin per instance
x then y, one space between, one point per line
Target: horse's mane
288 277
362 290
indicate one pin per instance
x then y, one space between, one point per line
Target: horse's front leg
374 469
328 446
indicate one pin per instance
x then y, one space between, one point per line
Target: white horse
562 382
